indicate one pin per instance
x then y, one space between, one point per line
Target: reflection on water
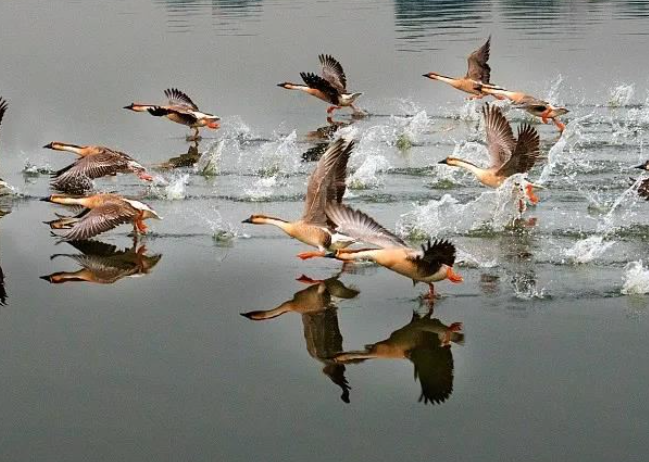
187 159
103 263
5 209
320 321
424 341
227 14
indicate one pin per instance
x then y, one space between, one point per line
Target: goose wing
3 108
179 98
333 72
433 256
100 219
318 83
478 69
105 162
500 138
319 182
525 153
338 183
360 226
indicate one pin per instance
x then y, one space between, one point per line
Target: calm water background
163 367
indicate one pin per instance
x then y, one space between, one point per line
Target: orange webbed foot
529 191
308 255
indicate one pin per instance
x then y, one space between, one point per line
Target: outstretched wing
105 162
333 72
185 116
179 98
338 183
318 83
99 220
478 68
500 138
525 153
318 187
3 108
433 256
434 369
358 225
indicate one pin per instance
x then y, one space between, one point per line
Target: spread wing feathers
317 189
433 256
99 220
500 138
3 108
104 163
333 72
187 117
338 183
478 68
318 83
434 370
525 153
97 248
179 98
358 225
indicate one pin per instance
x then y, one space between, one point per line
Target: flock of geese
327 224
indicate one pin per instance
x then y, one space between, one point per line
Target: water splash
621 95
261 189
281 156
636 279
493 210
587 250
552 93
172 189
368 175
208 164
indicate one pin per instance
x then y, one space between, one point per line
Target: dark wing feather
500 138
479 70
317 189
333 72
358 225
318 83
434 370
179 98
643 189
187 117
3 108
99 220
338 183
94 248
433 256
525 153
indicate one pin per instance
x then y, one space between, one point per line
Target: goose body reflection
104 264
188 159
331 87
643 189
320 321
424 341
181 110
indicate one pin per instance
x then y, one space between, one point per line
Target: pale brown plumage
326 184
508 155
102 212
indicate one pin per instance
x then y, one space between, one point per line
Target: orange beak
453 276
145 176
214 125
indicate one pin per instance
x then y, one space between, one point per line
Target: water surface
552 362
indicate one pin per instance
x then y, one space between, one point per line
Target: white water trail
636 279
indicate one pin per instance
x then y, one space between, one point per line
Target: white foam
587 250
636 278
621 95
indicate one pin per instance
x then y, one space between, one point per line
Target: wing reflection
320 322
322 136
5 209
424 341
104 264
187 159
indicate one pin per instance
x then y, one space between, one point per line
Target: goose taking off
331 87
180 109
